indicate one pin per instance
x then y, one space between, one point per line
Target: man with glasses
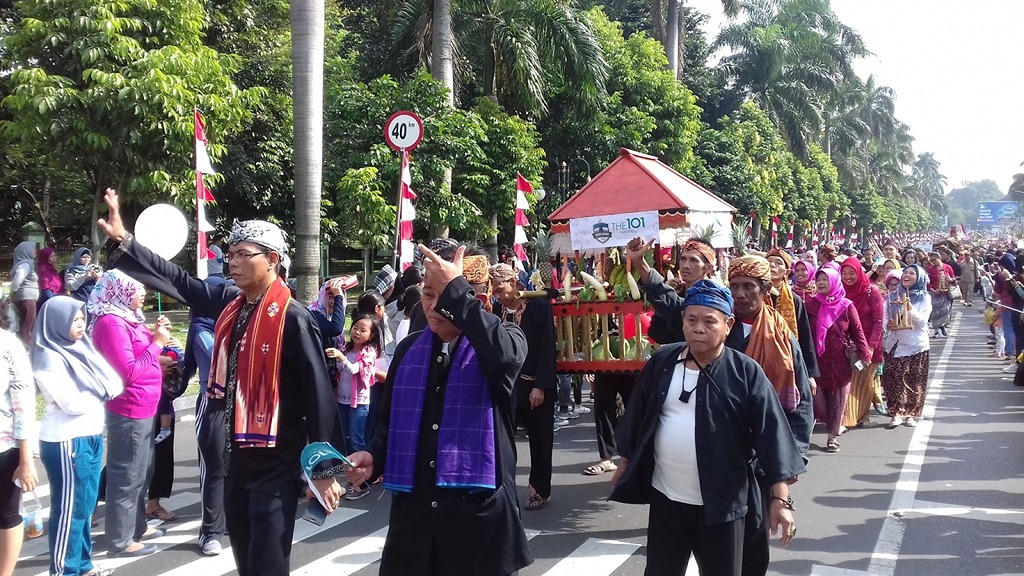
269 373
699 413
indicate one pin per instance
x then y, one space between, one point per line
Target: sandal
536 502
160 513
832 446
600 468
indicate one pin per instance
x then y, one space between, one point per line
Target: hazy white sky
956 67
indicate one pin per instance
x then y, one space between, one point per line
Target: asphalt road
943 498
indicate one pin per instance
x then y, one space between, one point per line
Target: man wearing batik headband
696 262
444 440
793 310
534 394
269 375
762 333
699 413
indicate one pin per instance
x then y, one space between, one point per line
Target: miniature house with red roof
623 199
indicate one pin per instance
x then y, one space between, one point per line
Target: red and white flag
775 231
789 240
406 216
854 235
750 225
522 205
203 166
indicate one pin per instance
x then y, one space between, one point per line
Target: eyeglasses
242 256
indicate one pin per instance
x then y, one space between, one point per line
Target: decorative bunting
203 195
406 216
522 205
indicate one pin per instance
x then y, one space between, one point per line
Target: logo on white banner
616 230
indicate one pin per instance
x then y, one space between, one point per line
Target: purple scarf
465 447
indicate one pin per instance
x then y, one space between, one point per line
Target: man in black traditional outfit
444 439
268 372
763 334
534 393
699 413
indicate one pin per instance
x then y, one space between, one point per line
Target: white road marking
1015 517
41 547
349 559
594 558
890 538
225 562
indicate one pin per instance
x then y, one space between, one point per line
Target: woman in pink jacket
122 338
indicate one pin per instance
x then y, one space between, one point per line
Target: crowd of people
426 380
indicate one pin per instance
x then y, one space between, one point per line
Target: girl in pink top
122 338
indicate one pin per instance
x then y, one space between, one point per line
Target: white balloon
163 229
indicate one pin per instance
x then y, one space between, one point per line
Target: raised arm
143 265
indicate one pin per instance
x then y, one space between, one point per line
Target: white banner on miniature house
596 232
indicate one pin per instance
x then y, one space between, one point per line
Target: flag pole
397 256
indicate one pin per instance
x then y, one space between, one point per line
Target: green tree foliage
108 88
646 109
485 147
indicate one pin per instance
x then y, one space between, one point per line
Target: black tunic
538 325
475 532
801 419
307 406
738 413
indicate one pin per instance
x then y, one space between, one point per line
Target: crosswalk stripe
40 546
349 559
595 558
176 534
225 562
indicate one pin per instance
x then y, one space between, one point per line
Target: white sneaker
581 409
910 422
895 422
210 547
1011 369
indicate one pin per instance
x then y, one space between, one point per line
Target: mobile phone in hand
315 512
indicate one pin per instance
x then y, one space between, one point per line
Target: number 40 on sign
403 130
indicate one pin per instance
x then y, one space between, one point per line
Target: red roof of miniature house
637 182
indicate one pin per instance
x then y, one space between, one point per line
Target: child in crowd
361 366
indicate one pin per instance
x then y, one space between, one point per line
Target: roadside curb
185 407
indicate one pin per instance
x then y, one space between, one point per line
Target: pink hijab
49 277
832 305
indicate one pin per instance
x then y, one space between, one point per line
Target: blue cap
710 294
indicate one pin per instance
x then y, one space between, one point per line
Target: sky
956 68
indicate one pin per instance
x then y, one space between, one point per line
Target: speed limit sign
403 130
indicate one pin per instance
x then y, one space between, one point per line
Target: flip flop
600 468
536 502
160 513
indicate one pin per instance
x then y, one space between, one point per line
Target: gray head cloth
264 234
54 351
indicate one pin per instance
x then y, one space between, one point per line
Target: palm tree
929 183
790 56
442 48
521 44
307 29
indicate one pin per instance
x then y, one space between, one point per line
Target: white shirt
903 343
675 442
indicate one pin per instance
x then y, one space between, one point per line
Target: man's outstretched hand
112 225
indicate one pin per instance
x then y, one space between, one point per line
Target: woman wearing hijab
81 276
905 379
869 302
50 283
76 382
17 408
120 335
839 341
940 280
25 288
803 280
1008 301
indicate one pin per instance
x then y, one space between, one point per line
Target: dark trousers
675 530
163 464
606 417
756 548
540 427
211 441
26 310
260 525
